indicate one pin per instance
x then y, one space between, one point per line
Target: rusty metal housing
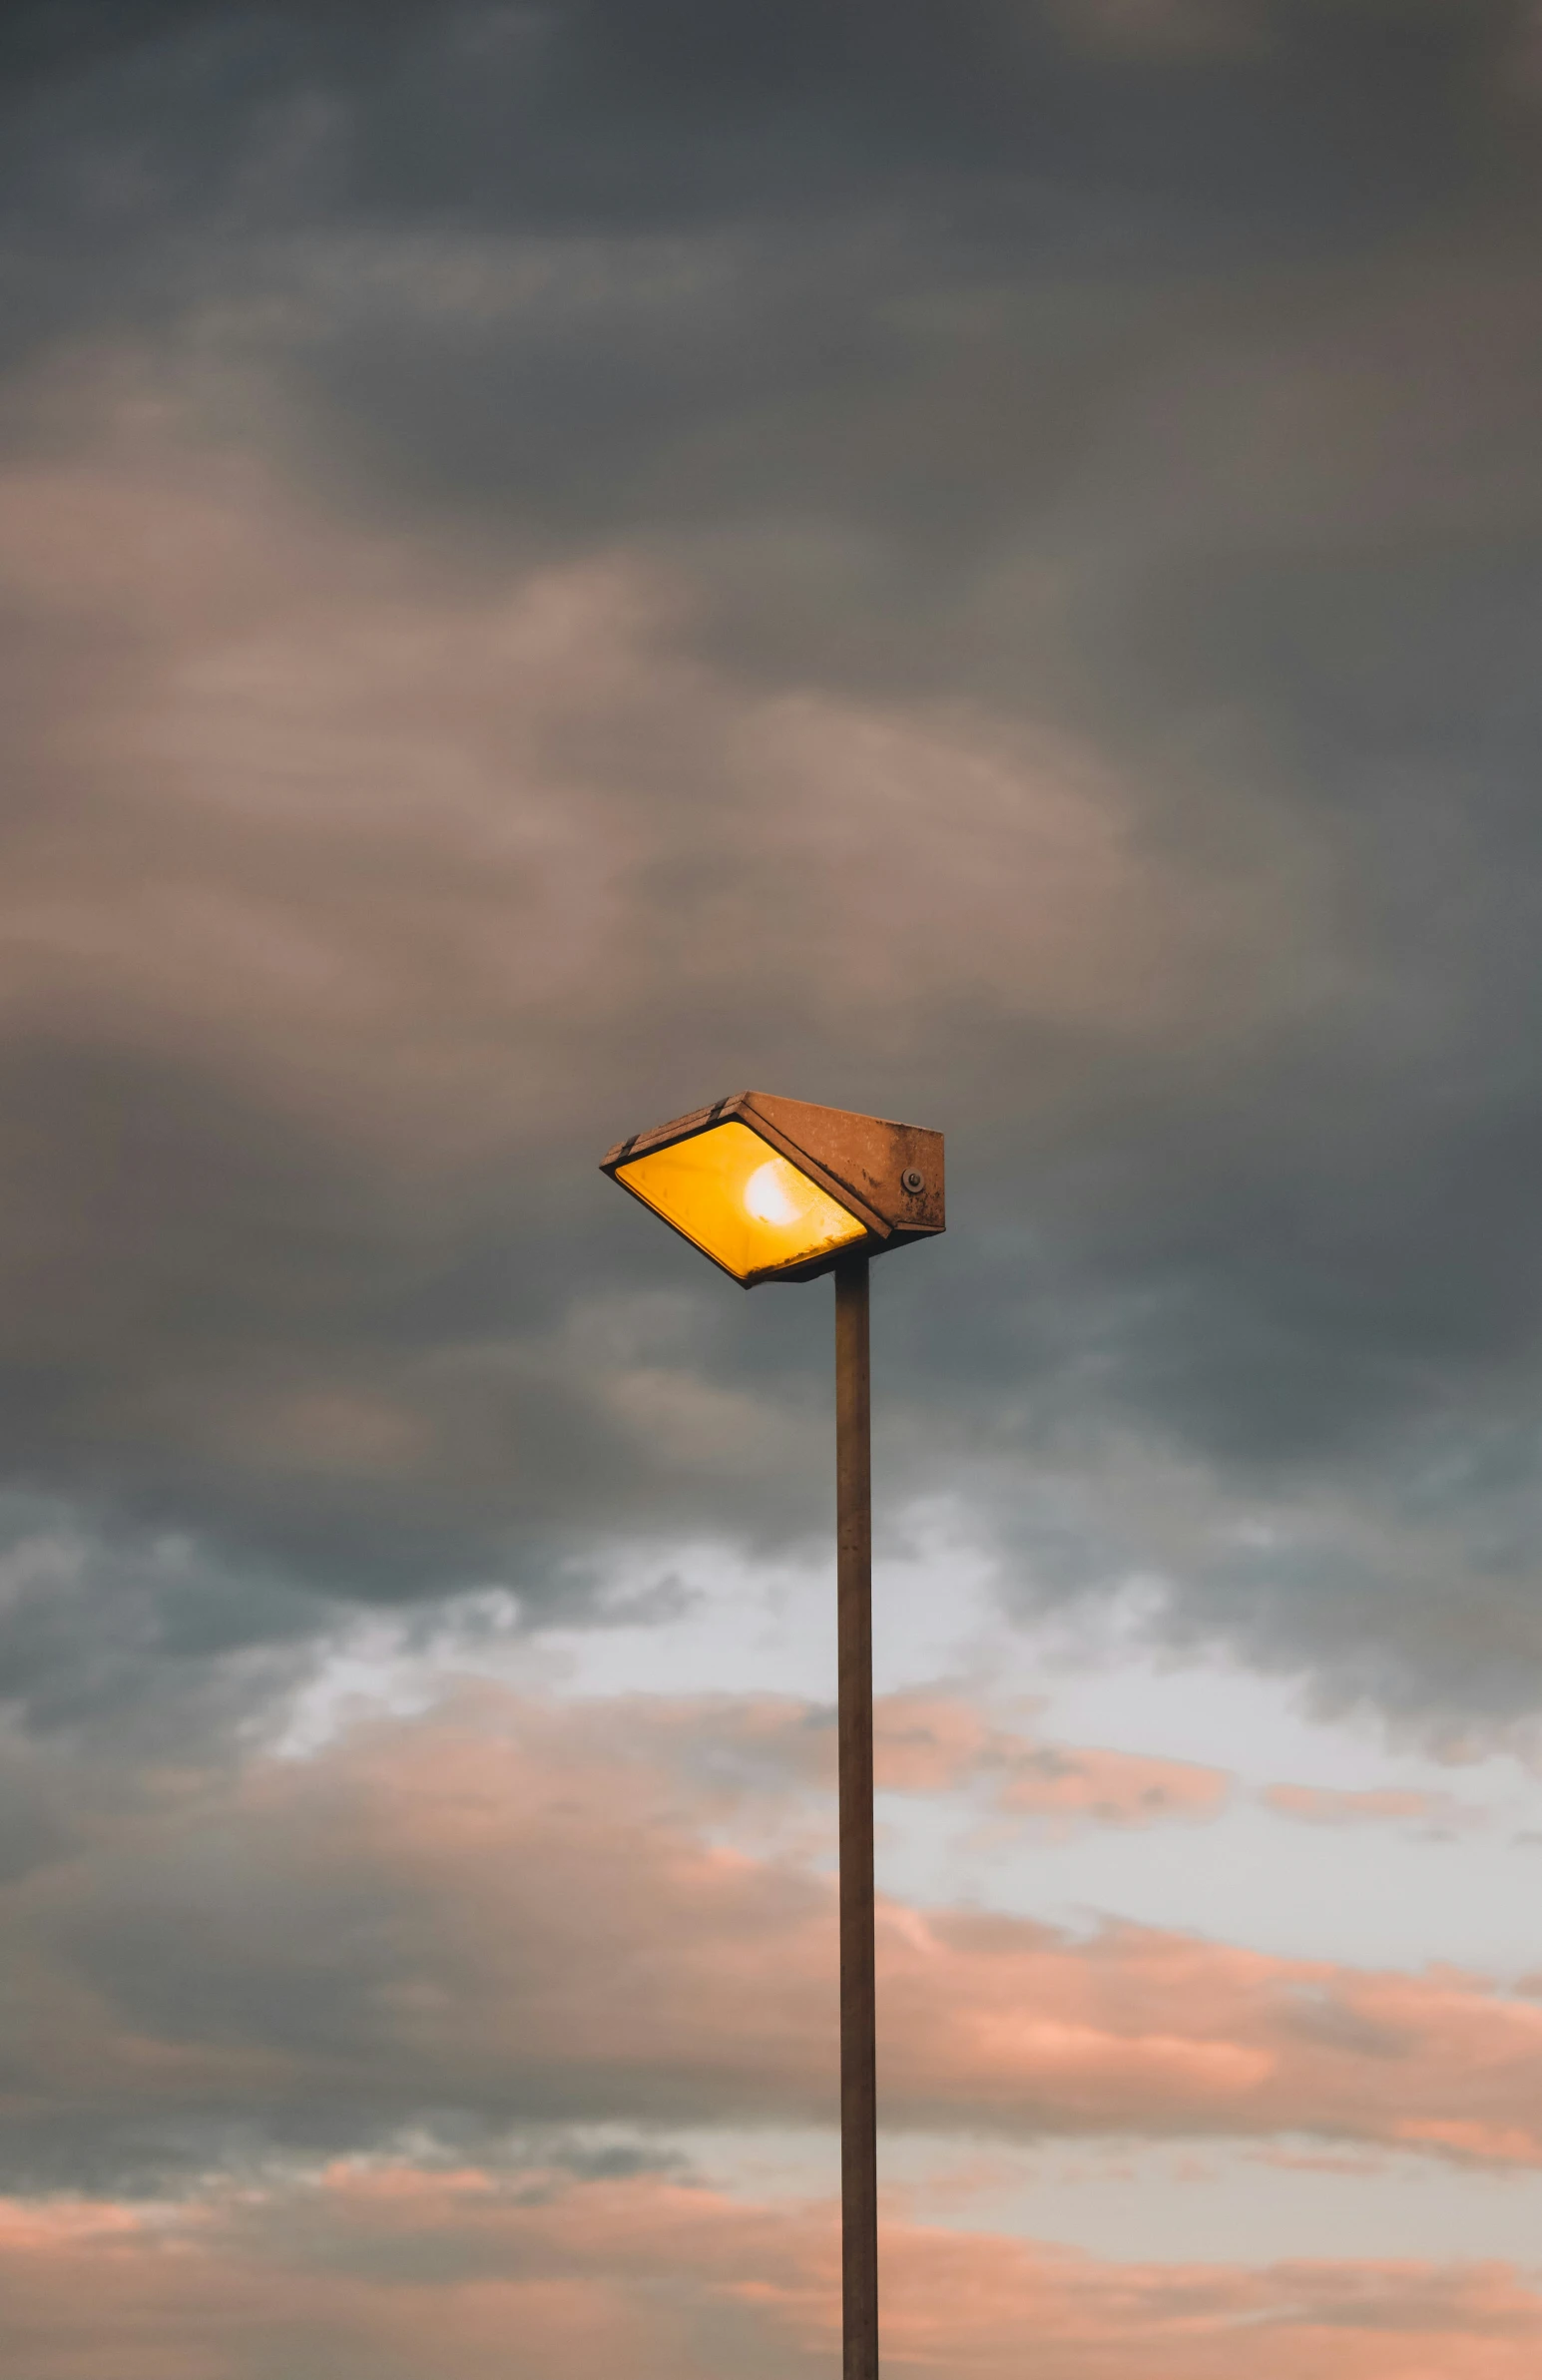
868 1165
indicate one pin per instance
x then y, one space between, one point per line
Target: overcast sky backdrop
979 560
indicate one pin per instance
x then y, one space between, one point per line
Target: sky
980 563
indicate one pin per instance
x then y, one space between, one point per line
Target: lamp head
777 1190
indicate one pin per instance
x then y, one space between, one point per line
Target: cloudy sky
979 560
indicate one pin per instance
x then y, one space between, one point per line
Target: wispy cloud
507 1911
379 2270
1376 1805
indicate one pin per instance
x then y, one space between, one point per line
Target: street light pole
853 1594
777 1190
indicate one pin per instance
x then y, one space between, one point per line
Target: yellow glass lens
730 1193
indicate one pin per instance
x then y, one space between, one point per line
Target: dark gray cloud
978 561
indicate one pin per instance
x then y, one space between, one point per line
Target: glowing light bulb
776 1193
751 1211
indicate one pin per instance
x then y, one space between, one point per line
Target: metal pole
854 1588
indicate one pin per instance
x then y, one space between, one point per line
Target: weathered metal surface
866 1156
861 1161
859 2048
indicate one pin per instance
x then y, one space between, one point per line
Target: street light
773 1189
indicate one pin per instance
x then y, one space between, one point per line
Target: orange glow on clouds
595 1912
388 2272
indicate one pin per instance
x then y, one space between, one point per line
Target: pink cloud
397 2273
1320 1805
534 1909
927 1742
